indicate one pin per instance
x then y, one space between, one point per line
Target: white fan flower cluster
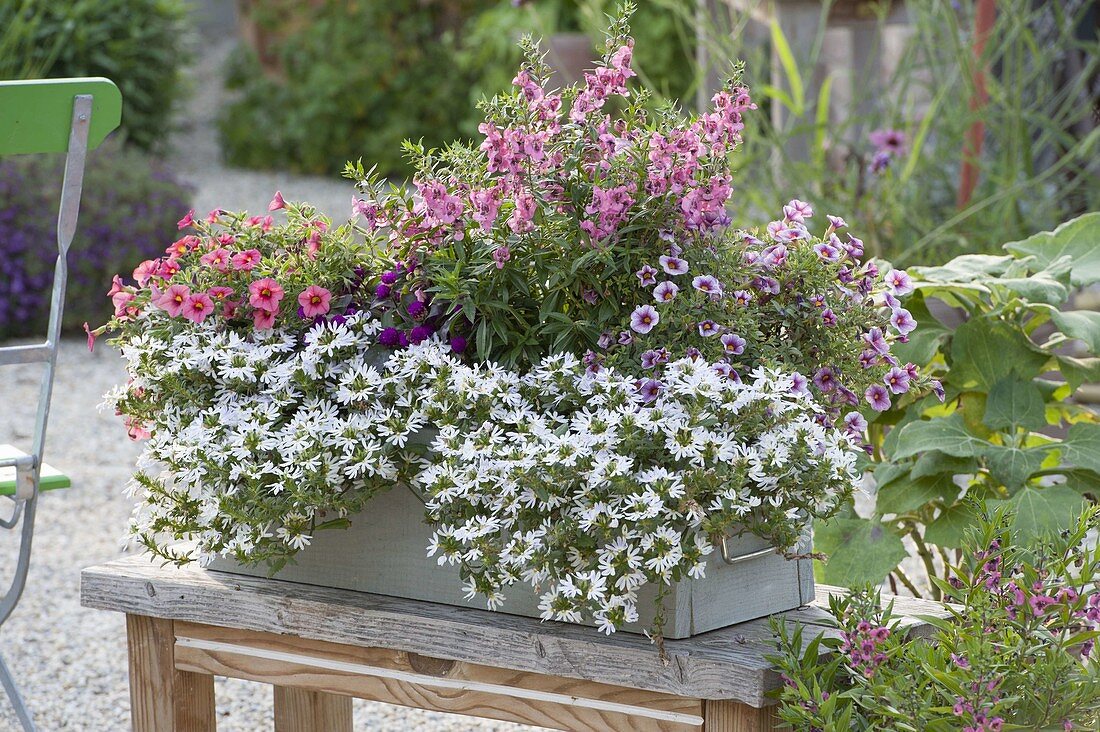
588 486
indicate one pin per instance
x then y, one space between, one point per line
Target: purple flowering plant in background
1018 652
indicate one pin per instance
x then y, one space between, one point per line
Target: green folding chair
46 116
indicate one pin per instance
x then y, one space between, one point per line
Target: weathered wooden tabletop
727 664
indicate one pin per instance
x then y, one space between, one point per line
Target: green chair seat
51 478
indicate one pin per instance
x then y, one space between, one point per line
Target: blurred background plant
883 144
138 44
131 199
128 213
998 332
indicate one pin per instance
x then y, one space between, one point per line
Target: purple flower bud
458 344
382 292
389 337
419 333
415 308
388 278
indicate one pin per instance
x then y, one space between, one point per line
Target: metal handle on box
743 557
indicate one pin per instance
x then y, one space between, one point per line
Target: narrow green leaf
787 60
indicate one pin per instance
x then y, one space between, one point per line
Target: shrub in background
993 330
138 44
351 78
129 210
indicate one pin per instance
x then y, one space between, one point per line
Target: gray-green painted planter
384 552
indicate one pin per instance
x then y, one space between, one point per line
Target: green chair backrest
36 115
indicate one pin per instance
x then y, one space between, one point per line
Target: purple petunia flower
647 276
733 343
937 389
828 317
650 389
665 292
605 340
644 319
889 141
707 284
649 359
836 222
876 340
899 282
799 384
903 321
742 297
897 380
673 265
878 397
825 379
827 251
774 256
626 338
708 328
854 424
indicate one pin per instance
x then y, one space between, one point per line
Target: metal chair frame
27 467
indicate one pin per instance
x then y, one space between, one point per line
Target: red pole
972 147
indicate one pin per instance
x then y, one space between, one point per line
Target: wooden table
320 647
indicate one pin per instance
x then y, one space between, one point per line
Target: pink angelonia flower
665 292
622 59
246 260
673 265
644 319
265 294
522 218
263 319
197 307
486 206
218 258
314 301
188 220
277 202
173 299
501 255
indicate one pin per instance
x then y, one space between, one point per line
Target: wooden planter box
384 552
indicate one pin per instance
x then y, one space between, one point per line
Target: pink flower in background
264 223
644 319
888 141
265 294
263 319
197 307
188 220
277 202
246 260
218 258
173 299
314 301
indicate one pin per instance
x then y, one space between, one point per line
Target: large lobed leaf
1079 239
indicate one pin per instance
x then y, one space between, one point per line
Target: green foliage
138 44
1008 383
1016 653
1036 167
352 78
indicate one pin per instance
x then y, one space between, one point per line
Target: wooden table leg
163 699
725 716
301 710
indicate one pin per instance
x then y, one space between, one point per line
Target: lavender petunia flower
897 380
647 276
707 284
673 265
650 389
878 397
903 321
733 343
899 282
708 328
644 319
665 292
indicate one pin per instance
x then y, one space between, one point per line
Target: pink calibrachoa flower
121 301
263 319
145 271
314 301
265 294
665 292
220 292
183 245
218 258
173 299
277 202
246 260
197 307
135 430
673 265
263 222
644 319
187 220
214 215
